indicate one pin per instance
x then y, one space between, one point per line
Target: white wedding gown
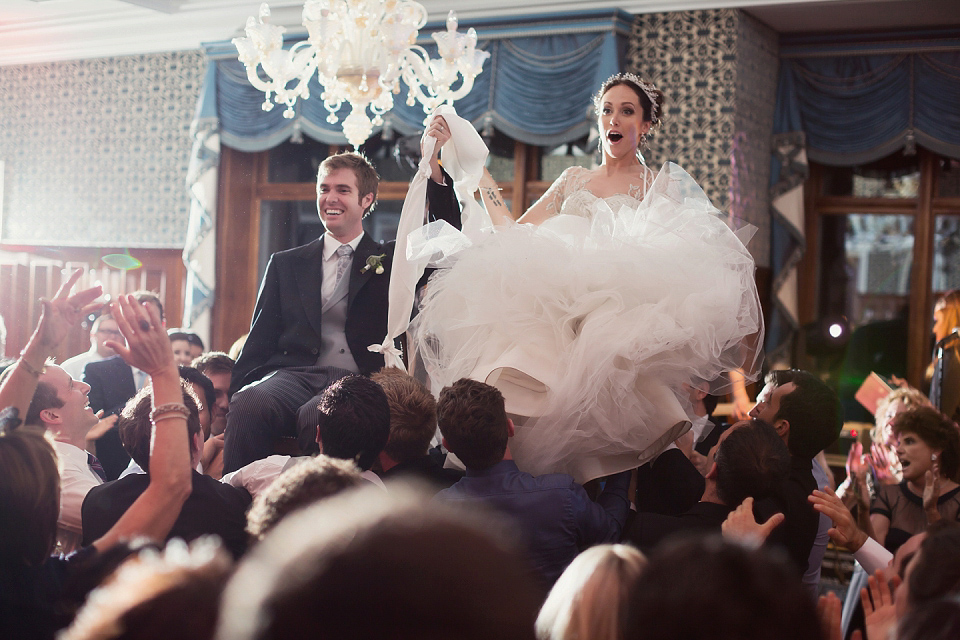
593 323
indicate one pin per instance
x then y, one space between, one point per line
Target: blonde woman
588 601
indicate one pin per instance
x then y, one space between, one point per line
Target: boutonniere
375 263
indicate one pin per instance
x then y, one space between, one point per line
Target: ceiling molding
35 31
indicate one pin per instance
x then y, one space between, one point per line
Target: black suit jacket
111 386
212 508
647 530
285 331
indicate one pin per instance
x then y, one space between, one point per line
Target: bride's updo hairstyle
651 98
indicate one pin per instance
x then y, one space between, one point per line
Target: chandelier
360 50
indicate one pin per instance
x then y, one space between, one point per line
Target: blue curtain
859 108
536 86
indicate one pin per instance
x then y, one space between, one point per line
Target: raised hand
829 609
57 317
101 427
148 347
64 311
878 608
440 131
741 524
884 461
857 468
931 492
845 532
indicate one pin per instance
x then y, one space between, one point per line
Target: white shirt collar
331 244
74 453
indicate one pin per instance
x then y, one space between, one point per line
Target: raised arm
57 317
153 514
548 205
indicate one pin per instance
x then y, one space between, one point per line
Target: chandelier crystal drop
360 50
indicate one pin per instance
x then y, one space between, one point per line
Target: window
883 244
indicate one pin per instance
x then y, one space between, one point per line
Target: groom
320 306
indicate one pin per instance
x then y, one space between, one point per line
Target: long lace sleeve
551 202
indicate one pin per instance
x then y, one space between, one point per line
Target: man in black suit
751 461
807 414
320 306
212 508
112 383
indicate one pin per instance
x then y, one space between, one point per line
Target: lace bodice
570 193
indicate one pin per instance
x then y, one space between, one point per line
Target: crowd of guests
382 530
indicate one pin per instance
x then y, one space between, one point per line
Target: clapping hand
883 460
879 610
857 472
931 492
829 610
845 532
148 347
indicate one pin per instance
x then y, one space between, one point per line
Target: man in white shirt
60 405
104 328
354 424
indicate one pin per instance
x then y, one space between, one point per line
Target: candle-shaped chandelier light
360 50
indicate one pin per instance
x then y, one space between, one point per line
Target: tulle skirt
596 326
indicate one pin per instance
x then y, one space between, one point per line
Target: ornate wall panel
96 151
756 84
718 69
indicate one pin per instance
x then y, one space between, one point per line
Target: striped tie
95 466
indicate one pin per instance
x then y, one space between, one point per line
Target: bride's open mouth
614 136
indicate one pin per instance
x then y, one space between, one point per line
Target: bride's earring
933 457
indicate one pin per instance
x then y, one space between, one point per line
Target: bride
598 310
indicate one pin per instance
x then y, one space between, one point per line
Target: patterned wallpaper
756 85
95 152
718 70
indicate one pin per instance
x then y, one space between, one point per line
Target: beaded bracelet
171 407
28 367
167 416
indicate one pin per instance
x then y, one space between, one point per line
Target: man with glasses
104 328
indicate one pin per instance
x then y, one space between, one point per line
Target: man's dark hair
752 461
710 589
936 565
213 362
135 428
473 420
354 420
937 431
143 295
187 336
413 414
812 409
45 397
191 375
308 482
370 564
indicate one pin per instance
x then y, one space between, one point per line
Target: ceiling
33 31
